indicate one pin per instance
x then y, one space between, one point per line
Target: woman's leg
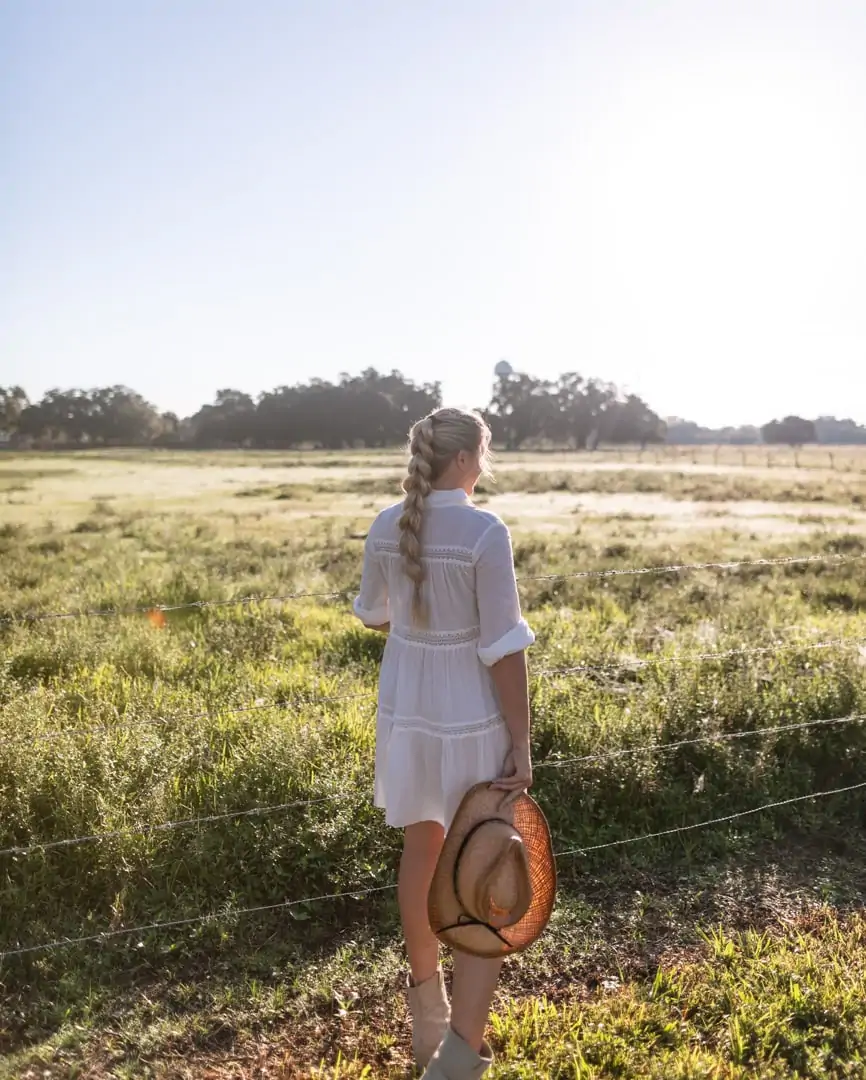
472 992
421 847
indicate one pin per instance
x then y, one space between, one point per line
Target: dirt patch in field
560 511
578 465
142 484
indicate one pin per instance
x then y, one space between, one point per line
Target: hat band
468 920
464 918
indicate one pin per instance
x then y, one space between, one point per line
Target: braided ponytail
433 444
417 486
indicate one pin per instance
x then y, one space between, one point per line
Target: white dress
439 729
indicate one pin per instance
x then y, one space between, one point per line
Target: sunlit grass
672 957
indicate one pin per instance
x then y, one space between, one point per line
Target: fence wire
639 663
603 668
198 605
168 826
660 748
223 914
712 821
553 763
227 912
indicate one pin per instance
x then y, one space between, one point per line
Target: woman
453 702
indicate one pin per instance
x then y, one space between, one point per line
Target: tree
118 416
13 402
792 431
370 409
524 408
839 432
574 412
61 416
112 415
587 407
173 431
686 433
633 421
230 421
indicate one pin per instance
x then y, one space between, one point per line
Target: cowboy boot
428 1004
456 1060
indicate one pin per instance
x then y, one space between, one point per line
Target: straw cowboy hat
495 882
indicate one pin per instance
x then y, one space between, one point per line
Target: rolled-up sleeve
503 629
371 604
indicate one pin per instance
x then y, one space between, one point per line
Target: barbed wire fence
288 701
227 912
336 594
551 762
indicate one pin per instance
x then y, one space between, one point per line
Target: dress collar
452 497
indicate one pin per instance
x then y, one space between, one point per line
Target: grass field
734 950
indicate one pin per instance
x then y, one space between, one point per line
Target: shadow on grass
328 985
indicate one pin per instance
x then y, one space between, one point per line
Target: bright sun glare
723 219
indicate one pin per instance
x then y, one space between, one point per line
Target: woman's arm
511 681
372 604
512 688
505 637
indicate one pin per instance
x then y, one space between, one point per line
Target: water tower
503 369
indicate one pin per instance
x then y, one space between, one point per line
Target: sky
201 194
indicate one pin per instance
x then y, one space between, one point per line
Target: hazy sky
198 194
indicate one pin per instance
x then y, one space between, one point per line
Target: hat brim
481 803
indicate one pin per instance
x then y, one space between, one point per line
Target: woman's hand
517 773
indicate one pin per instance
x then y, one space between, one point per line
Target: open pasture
214 759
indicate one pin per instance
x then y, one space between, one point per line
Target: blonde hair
434 442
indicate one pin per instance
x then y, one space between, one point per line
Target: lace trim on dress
436 637
418 723
435 553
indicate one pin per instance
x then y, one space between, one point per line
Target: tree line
370 410
375 410
791 431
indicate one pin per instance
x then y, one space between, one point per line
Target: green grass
734 950
792 1004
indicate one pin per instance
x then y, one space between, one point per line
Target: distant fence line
147 609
